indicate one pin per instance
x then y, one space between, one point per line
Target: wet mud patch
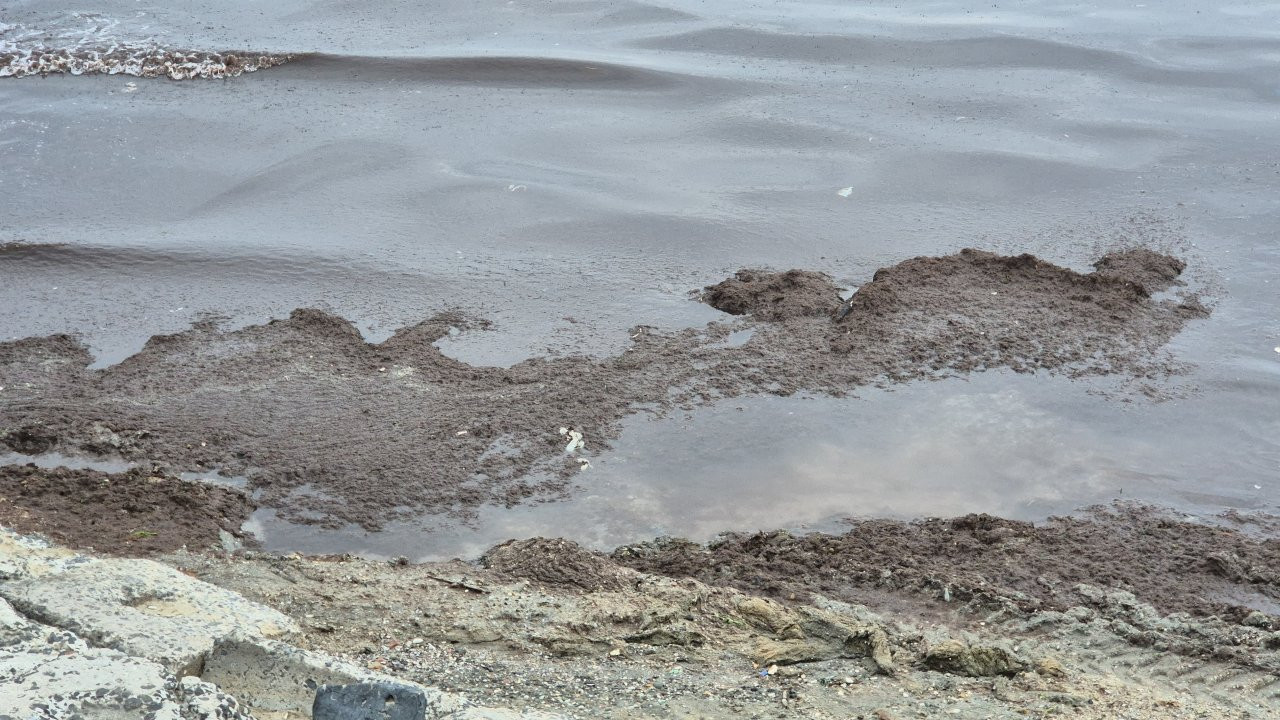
1171 564
137 512
331 429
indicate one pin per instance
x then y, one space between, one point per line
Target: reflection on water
54 460
992 444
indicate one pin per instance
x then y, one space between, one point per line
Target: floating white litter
575 439
845 192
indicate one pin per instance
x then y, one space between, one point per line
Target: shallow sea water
538 161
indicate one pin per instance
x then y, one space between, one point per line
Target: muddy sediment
137 512
331 429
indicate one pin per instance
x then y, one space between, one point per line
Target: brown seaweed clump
331 429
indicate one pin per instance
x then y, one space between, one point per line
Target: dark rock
369 701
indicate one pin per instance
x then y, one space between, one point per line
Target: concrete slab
26 555
50 674
144 609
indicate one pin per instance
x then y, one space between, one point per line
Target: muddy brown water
569 171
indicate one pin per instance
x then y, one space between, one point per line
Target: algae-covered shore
329 429
150 594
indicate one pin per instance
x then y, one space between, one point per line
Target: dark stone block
369 701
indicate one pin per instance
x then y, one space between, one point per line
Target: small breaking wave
139 61
93 46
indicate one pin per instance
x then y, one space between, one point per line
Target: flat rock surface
29 556
51 674
144 609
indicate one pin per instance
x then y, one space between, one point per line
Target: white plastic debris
460 433
575 439
845 192
517 188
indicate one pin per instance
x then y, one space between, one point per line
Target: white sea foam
84 43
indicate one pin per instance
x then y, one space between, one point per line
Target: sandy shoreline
987 623
543 623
